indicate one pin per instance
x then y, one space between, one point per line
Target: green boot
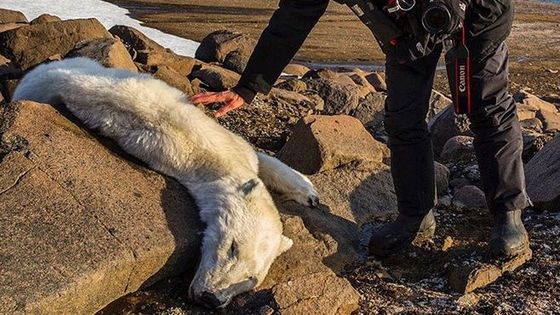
509 237
400 233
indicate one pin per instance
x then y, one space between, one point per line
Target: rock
216 77
459 182
297 99
82 226
135 41
530 106
7 69
371 109
438 102
110 52
340 98
10 26
320 143
45 18
442 178
469 275
446 125
148 52
10 16
541 174
458 148
26 47
533 124
295 69
8 86
319 293
377 81
175 79
365 87
533 142
2 100
230 48
447 243
294 85
469 197
550 120
329 75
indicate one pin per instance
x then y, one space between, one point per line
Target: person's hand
230 99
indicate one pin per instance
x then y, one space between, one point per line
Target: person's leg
409 88
498 145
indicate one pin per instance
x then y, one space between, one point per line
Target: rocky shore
89 229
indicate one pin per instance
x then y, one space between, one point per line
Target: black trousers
493 120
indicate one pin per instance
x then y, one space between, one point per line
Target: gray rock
340 98
442 178
458 148
469 197
230 48
542 175
446 125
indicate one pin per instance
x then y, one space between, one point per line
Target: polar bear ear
249 186
286 244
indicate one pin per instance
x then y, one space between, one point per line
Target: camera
443 16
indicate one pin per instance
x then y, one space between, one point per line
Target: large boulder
10 16
542 174
229 48
371 109
110 52
320 143
31 45
82 226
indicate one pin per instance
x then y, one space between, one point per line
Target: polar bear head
242 238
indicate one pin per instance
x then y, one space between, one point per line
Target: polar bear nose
209 300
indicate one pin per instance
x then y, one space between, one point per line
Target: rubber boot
509 237
400 233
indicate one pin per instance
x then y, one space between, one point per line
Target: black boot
400 233
509 237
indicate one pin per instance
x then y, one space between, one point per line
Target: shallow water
107 13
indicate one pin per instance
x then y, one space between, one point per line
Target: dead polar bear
157 124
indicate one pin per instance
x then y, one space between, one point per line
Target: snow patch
107 13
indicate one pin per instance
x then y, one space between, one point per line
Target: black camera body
443 16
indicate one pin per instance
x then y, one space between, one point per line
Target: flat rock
468 275
542 173
110 52
11 16
31 45
81 226
320 143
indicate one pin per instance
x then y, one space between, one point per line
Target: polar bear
227 178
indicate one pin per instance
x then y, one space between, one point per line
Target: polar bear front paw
303 192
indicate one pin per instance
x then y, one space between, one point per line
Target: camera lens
436 19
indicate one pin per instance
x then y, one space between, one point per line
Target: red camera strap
462 91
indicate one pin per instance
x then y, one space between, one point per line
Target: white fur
158 124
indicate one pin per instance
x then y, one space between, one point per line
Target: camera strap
459 74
